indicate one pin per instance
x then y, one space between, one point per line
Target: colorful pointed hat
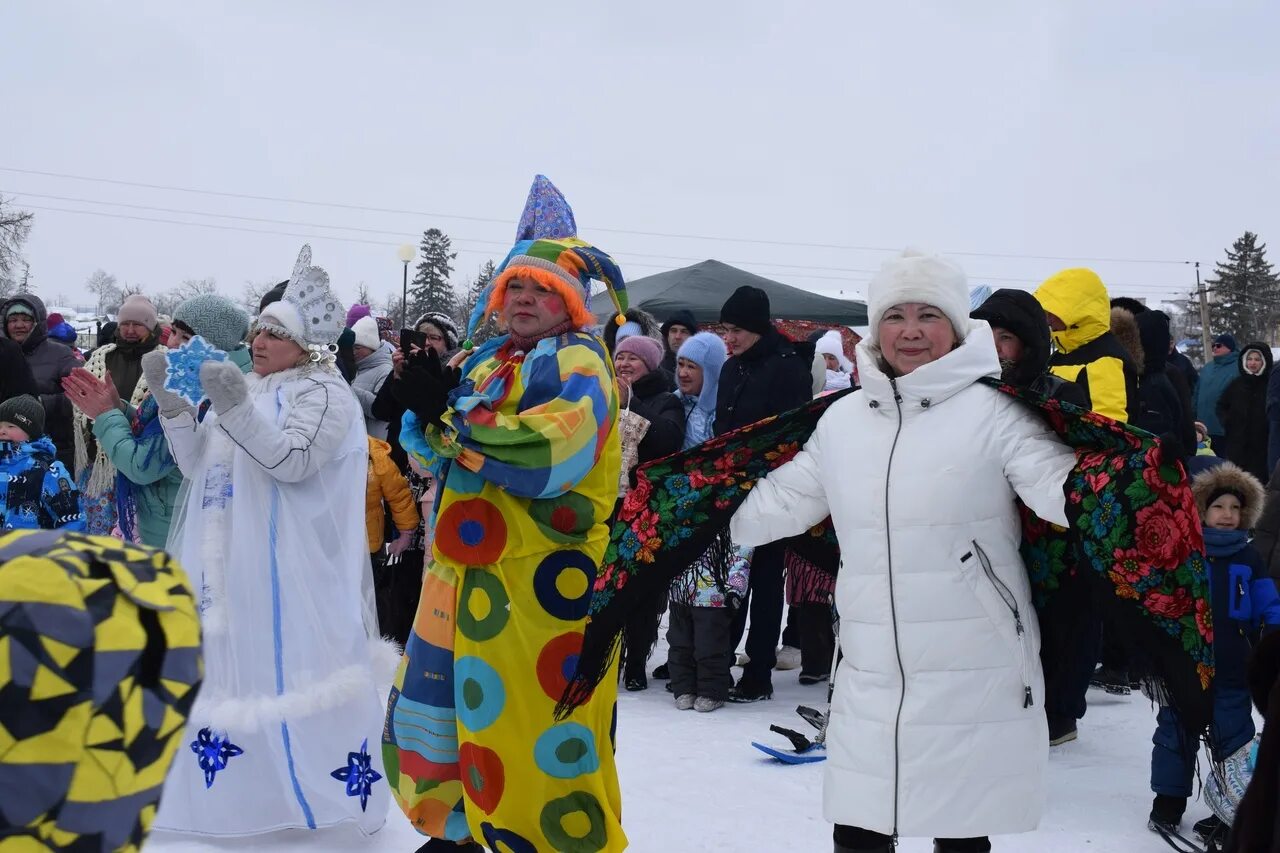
548 251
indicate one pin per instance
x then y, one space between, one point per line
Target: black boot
439 845
853 839
962 845
1166 812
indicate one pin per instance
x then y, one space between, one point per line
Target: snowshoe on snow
1213 842
803 751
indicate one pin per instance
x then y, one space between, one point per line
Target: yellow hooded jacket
1087 353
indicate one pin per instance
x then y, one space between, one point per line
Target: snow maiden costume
472 745
270 527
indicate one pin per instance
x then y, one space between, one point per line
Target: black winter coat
49 363
1242 409
15 373
651 400
1162 409
772 377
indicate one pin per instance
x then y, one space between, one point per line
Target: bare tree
251 295
362 295
15 227
391 306
102 284
168 301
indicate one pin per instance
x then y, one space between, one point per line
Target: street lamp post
405 253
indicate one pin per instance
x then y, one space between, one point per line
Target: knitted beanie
215 318
747 308
644 348
708 352
627 330
54 320
366 331
916 276
355 312
64 332
24 412
138 309
444 323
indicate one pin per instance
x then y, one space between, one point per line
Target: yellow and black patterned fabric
99 665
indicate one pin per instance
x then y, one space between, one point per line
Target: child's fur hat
1228 478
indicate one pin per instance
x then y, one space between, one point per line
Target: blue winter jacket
147 478
1214 379
36 492
1244 600
699 423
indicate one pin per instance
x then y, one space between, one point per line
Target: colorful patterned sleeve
536 426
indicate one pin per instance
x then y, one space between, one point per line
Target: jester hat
548 251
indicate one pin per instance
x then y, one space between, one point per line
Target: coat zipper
893 613
1010 601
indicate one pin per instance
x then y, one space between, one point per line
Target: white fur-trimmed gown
285 732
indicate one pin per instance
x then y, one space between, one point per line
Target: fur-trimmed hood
1125 328
648 323
1230 478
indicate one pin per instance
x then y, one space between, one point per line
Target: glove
1171 449
421 393
224 385
155 366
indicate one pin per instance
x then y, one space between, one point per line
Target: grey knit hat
24 412
215 318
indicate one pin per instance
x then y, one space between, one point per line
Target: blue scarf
1224 543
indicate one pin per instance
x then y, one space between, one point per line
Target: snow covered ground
692 782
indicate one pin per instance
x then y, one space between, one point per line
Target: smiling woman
940 672
270 525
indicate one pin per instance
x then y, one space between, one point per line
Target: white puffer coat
937 723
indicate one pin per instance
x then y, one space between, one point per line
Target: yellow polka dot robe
471 744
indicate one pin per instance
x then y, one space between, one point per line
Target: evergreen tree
431 289
476 292
1244 293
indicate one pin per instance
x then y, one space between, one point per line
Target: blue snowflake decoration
213 752
183 374
358 774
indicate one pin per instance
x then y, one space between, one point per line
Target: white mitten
155 364
224 385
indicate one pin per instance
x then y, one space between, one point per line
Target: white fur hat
366 329
832 344
916 276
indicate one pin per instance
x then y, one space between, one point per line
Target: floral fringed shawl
1135 538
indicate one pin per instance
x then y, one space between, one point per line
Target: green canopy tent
704 287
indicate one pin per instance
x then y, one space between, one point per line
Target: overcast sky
1086 130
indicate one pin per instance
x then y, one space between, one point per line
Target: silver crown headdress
319 314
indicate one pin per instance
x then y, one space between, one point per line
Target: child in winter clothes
36 492
387 489
1243 599
699 630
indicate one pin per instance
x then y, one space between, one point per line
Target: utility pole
1205 337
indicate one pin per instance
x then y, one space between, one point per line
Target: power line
498 244
237 228
506 221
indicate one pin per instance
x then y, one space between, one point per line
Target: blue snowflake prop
358 774
183 375
213 752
